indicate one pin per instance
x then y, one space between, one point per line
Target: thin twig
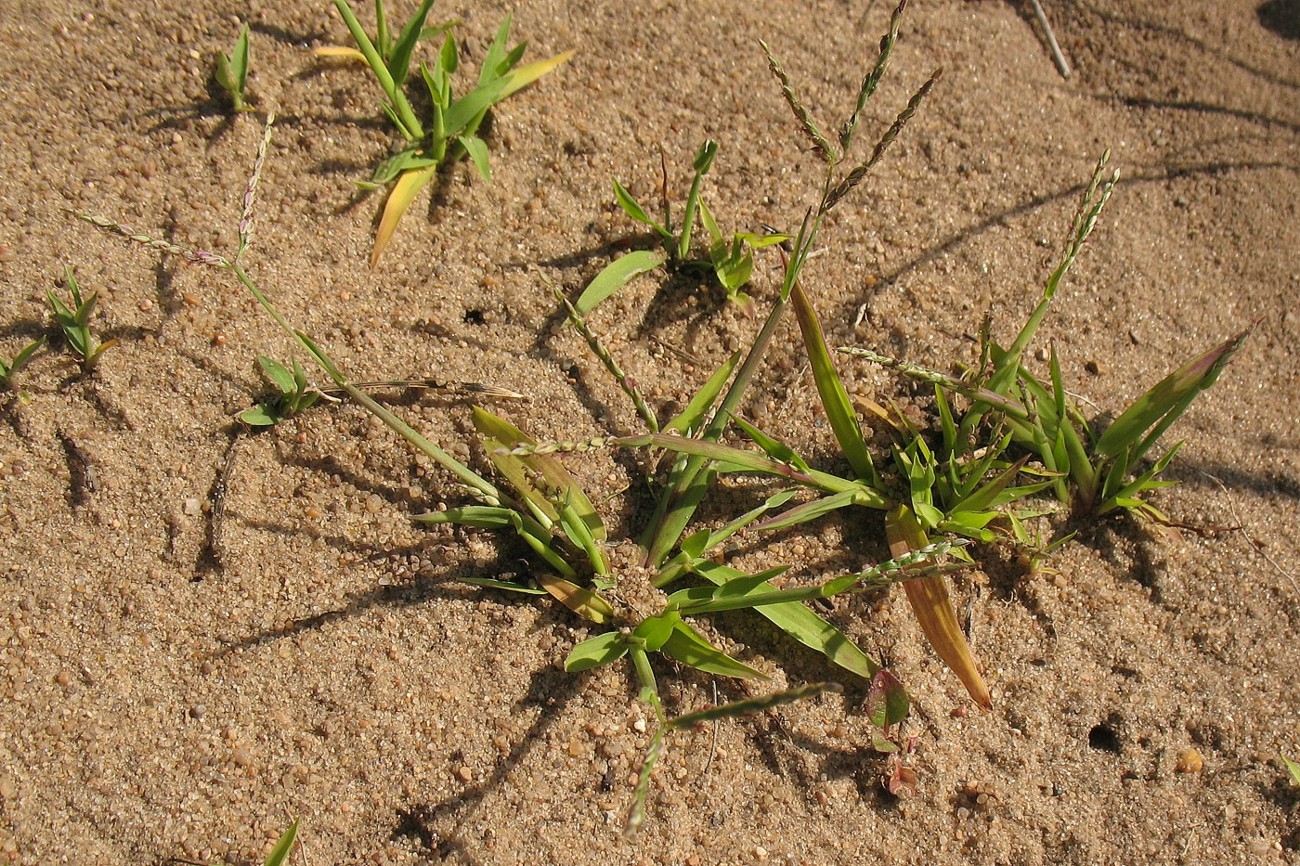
1061 64
713 746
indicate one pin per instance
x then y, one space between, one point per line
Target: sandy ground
171 694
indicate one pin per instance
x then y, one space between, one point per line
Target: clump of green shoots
1095 468
731 261
73 318
232 72
450 129
295 394
8 369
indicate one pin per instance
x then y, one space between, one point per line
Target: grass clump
730 260
450 129
73 318
295 394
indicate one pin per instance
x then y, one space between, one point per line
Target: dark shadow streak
1219 55
1151 174
437 825
1207 108
1281 17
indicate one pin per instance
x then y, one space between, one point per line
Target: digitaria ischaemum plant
994 448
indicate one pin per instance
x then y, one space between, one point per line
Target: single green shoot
73 318
284 846
9 369
449 131
232 72
295 394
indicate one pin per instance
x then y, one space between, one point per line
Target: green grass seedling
295 394
73 318
730 260
450 129
9 369
283 847
1293 769
232 72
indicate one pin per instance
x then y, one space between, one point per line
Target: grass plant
999 438
1095 467
232 72
73 318
450 130
730 260
1292 768
295 394
543 505
691 477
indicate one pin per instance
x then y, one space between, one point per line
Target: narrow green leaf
399 62
654 631
1294 769
615 276
402 113
478 154
503 585
633 209
823 505
772 447
261 415
691 418
687 646
596 651
802 624
1167 400
283 847
835 400
464 114
711 226
525 75
476 516
281 377
496 53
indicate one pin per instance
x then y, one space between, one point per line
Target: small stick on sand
1061 64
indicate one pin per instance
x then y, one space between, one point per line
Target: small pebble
1189 761
197 712
465 774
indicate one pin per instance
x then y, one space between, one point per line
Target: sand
175 685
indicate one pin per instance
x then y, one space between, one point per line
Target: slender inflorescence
598 349
873 77
819 142
246 217
855 177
